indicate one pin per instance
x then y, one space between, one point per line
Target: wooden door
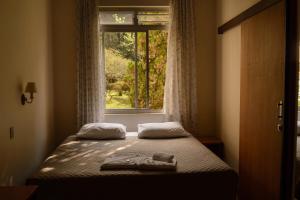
262 88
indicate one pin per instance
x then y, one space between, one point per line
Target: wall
132 120
25 55
206 64
64 61
65 68
228 78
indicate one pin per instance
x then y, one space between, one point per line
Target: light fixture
31 89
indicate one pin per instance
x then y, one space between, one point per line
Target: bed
73 172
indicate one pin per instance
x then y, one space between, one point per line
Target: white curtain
90 71
181 96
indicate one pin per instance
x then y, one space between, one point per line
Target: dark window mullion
103 62
136 71
147 69
135 18
135 21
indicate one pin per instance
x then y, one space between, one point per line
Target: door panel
262 88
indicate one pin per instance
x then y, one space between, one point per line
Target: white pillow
102 131
161 130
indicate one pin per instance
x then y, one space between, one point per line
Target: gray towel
164 157
137 162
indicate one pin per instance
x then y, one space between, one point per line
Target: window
135 56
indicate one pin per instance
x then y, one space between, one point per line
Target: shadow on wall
64 62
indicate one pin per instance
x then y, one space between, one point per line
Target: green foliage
158 61
120 69
122 43
118 101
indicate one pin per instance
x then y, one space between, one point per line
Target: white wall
132 120
25 55
64 62
228 78
206 64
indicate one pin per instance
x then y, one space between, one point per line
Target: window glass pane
142 69
153 18
157 64
116 17
131 82
119 50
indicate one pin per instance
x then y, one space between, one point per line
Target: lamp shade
31 87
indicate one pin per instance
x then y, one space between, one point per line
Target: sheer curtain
90 70
181 97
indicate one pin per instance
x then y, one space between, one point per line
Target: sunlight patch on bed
120 148
110 153
82 164
87 155
47 169
70 143
51 157
65 160
88 144
77 155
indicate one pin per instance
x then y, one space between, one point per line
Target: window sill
131 120
132 114
133 111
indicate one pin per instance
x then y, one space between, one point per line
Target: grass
116 101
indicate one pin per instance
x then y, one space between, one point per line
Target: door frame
290 100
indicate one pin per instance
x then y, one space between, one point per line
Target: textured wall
25 55
206 64
64 62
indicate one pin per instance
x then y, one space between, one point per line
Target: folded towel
164 157
154 165
136 162
120 162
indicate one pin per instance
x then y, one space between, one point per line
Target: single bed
73 171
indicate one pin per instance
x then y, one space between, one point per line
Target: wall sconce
31 89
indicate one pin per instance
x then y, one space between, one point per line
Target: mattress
76 164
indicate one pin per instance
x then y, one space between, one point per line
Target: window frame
134 28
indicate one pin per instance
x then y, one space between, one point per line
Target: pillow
161 130
102 131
